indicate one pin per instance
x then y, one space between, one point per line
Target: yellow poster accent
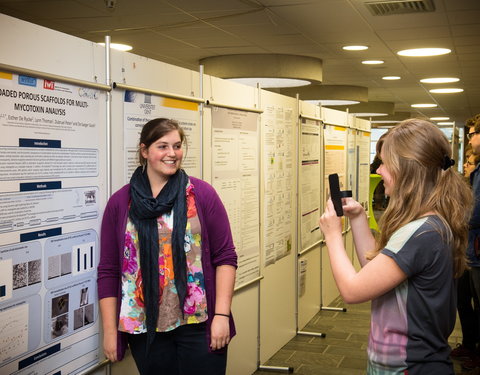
334 147
4 75
340 128
180 104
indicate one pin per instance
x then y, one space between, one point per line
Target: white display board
310 182
139 108
235 176
51 198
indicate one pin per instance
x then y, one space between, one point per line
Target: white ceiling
181 32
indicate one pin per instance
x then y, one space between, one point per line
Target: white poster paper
310 180
277 126
235 159
50 197
139 108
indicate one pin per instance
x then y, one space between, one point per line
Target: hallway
343 350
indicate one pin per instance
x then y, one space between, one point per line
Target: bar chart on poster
50 209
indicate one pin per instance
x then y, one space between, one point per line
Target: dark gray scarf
144 212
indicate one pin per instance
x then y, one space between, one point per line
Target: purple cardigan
217 247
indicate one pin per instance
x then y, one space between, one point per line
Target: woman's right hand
110 345
351 208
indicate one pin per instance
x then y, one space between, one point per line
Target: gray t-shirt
411 323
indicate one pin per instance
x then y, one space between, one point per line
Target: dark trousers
466 313
183 351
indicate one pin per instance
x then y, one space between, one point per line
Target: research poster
310 182
363 145
335 149
278 127
235 177
335 138
139 108
352 169
51 195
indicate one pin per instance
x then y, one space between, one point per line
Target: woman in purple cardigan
167 264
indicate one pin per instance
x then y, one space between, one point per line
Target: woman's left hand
330 223
220 332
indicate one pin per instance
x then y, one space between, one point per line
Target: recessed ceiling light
372 62
424 105
118 46
446 91
391 78
440 80
271 82
439 118
355 48
424 52
445 123
331 102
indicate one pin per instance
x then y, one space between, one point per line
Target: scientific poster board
51 197
278 125
363 145
310 182
335 159
352 166
139 108
235 177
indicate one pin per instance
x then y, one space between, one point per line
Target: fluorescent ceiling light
391 78
445 123
371 114
384 122
424 105
446 91
372 62
440 80
424 52
439 118
118 46
331 102
271 82
355 48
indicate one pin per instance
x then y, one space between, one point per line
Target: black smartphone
335 193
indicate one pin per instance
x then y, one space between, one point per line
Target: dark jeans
475 290
466 312
183 351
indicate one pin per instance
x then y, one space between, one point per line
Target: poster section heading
53 110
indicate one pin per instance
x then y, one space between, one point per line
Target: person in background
467 312
409 274
167 264
473 250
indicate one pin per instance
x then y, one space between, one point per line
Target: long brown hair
414 153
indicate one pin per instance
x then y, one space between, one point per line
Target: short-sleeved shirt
410 324
132 313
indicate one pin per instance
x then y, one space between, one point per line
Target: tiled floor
342 351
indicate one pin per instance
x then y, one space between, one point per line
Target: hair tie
447 162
